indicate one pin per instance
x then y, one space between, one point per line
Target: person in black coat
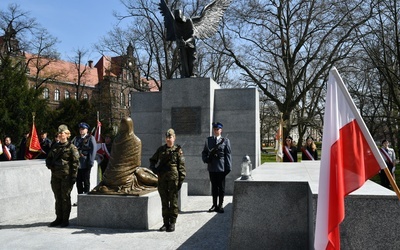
309 151
217 155
22 146
86 145
289 150
9 151
45 144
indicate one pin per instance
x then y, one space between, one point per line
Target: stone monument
189 106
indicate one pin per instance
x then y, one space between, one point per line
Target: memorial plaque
186 120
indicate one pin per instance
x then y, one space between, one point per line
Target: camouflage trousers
168 190
62 188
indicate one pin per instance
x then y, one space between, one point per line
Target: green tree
18 101
71 112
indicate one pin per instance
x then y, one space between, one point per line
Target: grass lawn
270 157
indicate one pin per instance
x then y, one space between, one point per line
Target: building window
56 95
66 94
85 96
46 94
122 99
129 99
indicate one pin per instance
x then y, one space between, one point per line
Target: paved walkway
195 229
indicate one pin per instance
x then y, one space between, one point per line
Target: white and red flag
349 158
97 133
279 142
102 150
7 152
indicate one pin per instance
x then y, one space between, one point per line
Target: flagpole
364 129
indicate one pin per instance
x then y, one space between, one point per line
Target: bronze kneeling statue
123 174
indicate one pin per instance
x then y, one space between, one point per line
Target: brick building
108 84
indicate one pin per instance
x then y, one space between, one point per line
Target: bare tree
158 59
287 47
382 48
81 69
44 53
24 35
18 25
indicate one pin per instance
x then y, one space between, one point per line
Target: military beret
289 137
217 125
62 128
170 132
84 125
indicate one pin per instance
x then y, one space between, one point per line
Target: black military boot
55 223
64 224
165 226
171 227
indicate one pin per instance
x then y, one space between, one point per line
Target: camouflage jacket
171 163
63 160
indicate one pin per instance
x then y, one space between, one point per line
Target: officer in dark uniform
63 161
171 173
45 144
217 154
86 144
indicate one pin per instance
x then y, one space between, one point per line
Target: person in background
56 140
86 145
171 172
105 158
45 144
63 161
289 150
309 151
218 156
22 146
390 159
9 150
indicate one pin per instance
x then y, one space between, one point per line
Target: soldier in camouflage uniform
171 173
63 161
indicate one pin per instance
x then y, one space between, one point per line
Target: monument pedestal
189 106
124 212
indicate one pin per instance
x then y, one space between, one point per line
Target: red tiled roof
62 71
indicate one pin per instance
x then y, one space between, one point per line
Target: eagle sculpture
185 30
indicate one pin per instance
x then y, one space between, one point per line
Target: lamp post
246 168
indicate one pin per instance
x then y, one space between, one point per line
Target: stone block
26 190
276 214
277 210
114 211
124 212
